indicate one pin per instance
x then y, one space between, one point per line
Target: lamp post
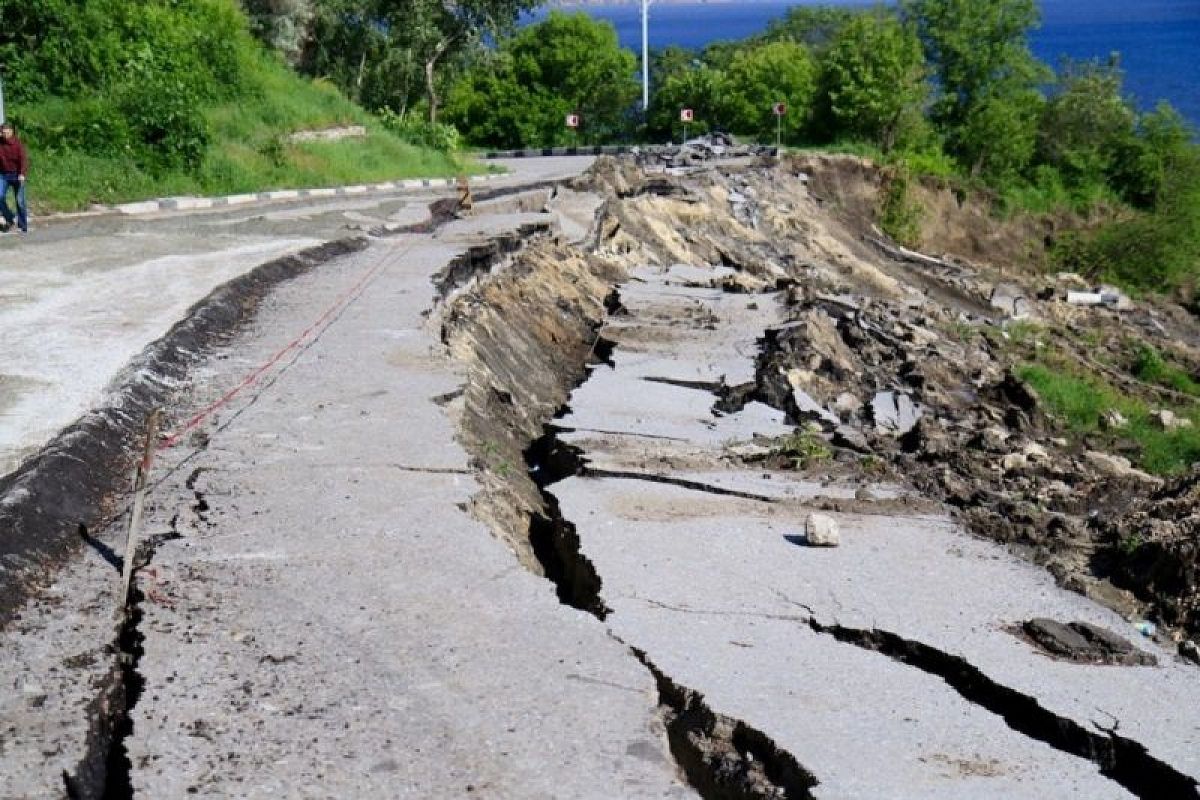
2 117
645 55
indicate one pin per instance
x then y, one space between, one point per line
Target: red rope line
344 299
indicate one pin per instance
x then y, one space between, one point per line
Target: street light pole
645 55
2 117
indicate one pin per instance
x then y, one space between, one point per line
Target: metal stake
139 502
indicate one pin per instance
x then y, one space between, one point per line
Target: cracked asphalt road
79 297
322 616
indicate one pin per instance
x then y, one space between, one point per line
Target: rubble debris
1107 296
821 530
1153 550
699 150
895 412
1085 643
1118 467
895 354
1011 299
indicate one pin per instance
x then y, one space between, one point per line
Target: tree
986 75
815 27
1086 123
380 50
568 63
875 80
699 88
1145 170
761 76
281 24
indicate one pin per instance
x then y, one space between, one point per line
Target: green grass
249 153
1081 400
1150 366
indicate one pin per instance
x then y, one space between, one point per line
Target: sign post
779 110
573 124
686 116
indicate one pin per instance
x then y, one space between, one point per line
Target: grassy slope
1080 397
249 151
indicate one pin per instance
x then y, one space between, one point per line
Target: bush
899 215
434 135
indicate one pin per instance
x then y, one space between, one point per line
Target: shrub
434 135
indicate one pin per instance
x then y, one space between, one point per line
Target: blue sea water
1159 40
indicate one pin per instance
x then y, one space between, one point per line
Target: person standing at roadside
14 167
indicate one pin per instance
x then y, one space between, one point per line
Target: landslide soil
866 317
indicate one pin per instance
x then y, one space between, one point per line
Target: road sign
572 120
686 115
779 109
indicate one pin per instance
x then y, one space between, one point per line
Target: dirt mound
1154 551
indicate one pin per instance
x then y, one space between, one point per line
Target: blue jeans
7 180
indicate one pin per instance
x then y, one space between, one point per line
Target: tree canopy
566 64
389 53
875 80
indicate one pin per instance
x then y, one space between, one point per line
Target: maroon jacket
13 158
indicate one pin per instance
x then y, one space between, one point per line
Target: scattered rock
1010 299
1014 462
1113 420
1113 297
846 404
1036 453
1190 650
1117 467
34 693
894 412
1169 420
1071 280
1085 643
821 530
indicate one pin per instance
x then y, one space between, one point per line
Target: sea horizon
1156 39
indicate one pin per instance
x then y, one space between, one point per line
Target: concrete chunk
821 530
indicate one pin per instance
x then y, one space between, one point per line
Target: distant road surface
80 298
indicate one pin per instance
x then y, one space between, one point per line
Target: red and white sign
572 120
686 115
779 109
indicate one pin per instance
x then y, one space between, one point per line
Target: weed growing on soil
872 465
804 449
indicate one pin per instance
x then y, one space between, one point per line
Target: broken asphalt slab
894 649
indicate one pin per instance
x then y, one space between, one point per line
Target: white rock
1014 462
1113 420
821 530
1035 452
1117 467
1169 421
